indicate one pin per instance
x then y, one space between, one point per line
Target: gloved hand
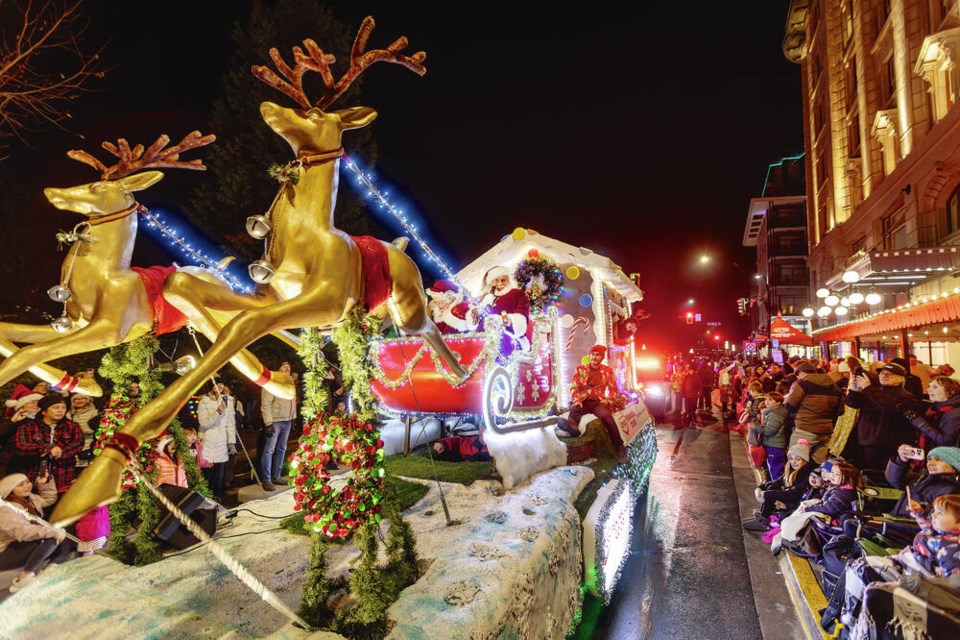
232 449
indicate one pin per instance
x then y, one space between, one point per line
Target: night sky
641 134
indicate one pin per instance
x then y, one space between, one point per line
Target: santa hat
599 348
23 401
496 272
440 287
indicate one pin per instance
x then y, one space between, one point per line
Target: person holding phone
881 426
25 542
940 476
940 424
218 432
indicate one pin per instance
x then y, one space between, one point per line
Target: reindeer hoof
98 484
89 387
281 385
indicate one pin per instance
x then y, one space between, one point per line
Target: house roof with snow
514 247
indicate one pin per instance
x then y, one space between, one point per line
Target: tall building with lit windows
882 150
777 226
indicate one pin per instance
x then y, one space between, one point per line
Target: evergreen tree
238 184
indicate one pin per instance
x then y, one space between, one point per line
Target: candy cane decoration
573 330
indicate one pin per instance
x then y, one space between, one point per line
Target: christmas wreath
348 441
542 280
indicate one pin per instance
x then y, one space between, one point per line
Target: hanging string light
155 223
381 196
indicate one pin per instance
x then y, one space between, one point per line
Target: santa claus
448 310
504 299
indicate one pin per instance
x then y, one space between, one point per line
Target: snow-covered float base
512 568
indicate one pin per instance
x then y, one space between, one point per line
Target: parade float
511 566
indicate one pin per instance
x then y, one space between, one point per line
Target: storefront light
831 300
808 312
844 301
840 311
850 277
823 292
873 298
824 311
856 298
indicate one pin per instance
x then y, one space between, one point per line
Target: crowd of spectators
859 468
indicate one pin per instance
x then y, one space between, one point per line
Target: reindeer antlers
137 158
316 60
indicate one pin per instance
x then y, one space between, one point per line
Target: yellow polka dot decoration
519 234
585 360
573 272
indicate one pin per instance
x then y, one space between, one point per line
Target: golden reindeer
313 271
106 301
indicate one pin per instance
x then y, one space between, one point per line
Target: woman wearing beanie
49 442
25 542
85 413
786 492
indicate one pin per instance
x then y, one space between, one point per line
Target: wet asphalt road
687 575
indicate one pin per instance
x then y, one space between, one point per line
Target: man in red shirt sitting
595 391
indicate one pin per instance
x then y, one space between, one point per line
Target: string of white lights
197 256
372 190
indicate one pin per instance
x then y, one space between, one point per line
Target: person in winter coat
941 425
940 476
218 424
773 433
24 542
278 416
786 492
690 390
881 426
842 480
24 408
49 442
815 402
170 469
87 416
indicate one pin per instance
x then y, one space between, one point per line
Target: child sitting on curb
785 492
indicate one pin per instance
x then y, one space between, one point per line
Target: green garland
316 587
353 337
315 395
138 509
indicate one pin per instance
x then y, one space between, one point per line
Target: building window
952 222
853 137
894 231
859 244
936 65
851 85
792 305
885 132
888 84
847 21
790 274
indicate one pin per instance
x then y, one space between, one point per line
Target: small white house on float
594 295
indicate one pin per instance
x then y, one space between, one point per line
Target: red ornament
533 253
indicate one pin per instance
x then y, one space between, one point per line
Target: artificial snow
511 567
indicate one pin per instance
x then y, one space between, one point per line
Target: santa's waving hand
448 310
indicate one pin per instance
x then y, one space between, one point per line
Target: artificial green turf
417 464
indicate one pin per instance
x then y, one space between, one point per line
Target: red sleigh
410 380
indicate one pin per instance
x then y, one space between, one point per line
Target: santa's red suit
452 319
515 305
448 310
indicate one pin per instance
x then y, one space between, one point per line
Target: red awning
785 333
916 315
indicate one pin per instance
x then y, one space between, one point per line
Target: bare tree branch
43 68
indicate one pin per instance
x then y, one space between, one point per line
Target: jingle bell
258 226
261 271
62 324
59 293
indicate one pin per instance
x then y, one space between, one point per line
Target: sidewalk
786 591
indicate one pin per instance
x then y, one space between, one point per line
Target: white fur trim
520 455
